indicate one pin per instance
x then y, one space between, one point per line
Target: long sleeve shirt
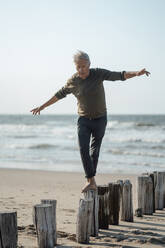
90 92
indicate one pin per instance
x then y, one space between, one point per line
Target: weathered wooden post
126 201
164 188
84 220
159 189
95 223
54 204
43 217
120 182
145 194
114 203
152 178
103 206
8 230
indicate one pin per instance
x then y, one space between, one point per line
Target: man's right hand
52 100
37 110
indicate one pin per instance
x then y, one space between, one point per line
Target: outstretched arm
46 104
130 74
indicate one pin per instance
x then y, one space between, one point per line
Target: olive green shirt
90 91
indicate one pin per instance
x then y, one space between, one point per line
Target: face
82 67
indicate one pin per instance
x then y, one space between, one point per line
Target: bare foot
89 186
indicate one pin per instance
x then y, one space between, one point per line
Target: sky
38 39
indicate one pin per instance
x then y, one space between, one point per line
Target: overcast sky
39 38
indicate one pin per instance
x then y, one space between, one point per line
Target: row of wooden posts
97 210
151 192
101 208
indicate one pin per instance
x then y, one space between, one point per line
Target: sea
132 143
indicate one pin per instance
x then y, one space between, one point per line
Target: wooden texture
43 217
126 201
114 203
95 223
164 189
54 205
120 182
152 178
84 220
159 189
103 206
145 194
8 230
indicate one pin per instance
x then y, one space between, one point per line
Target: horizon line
77 114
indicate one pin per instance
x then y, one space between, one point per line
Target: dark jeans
90 134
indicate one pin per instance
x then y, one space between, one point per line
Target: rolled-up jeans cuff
89 176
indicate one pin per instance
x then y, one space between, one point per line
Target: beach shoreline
21 189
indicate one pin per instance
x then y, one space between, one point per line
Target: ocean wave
39 146
21 126
42 146
138 140
25 146
22 136
143 124
154 147
156 166
121 152
112 124
119 124
158 147
123 140
132 124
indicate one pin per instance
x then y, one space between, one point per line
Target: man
87 86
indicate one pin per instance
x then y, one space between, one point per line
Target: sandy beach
21 189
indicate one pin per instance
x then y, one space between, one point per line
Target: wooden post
152 178
145 194
114 203
126 207
8 230
159 189
164 188
84 220
54 204
43 217
103 206
120 182
95 223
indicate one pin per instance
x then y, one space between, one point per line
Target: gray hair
80 55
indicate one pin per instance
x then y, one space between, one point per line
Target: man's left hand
142 72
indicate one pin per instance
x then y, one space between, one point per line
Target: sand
20 190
